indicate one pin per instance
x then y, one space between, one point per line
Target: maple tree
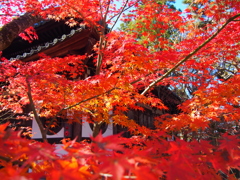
126 70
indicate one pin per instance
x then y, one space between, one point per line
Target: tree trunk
96 128
11 30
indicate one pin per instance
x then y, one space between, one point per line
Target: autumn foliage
163 48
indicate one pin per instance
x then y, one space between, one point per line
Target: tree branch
102 41
16 162
88 99
189 55
39 122
123 9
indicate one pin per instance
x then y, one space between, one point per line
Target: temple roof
55 39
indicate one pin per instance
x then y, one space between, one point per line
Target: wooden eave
56 39
77 43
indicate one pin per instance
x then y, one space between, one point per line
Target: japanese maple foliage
125 72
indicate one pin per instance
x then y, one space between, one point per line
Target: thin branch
189 55
5 158
105 15
88 99
2 118
102 41
16 162
100 55
15 15
39 122
81 14
123 10
101 11
119 15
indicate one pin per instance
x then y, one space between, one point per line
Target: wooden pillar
77 131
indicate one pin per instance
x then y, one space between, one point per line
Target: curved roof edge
48 44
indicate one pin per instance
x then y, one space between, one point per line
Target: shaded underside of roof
168 97
55 39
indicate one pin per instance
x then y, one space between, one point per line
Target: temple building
57 39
